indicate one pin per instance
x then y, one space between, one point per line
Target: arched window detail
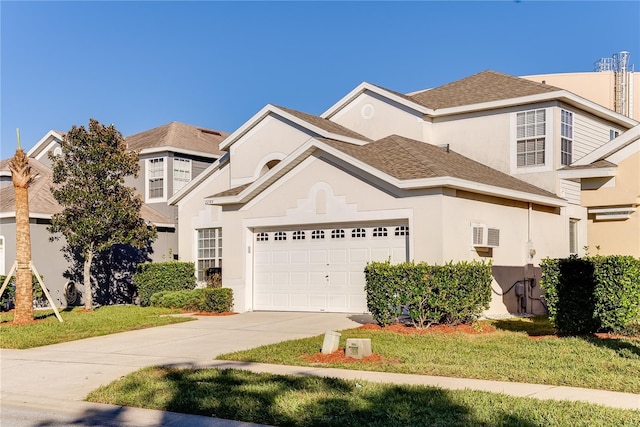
358 233
380 232
402 230
262 237
337 234
298 235
317 234
280 236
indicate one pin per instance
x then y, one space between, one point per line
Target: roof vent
211 132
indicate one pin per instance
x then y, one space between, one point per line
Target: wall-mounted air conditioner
485 237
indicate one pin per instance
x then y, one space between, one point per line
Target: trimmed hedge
215 300
592 294
155 277
446 294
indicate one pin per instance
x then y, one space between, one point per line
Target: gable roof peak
485 86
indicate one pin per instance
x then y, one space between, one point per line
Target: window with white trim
530 138
298 235
573 236
380 232
209 250
337 234
155 178
280 236
566 137
358 232
402 230
262 237
317 234
181 173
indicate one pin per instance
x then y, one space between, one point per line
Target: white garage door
321 269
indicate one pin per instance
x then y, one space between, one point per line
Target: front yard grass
519 351
314 401
79 324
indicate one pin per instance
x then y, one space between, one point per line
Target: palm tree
22 177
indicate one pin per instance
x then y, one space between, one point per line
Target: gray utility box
331 341
358 348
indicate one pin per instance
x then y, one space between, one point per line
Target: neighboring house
613 84
468 170
610 182
170 156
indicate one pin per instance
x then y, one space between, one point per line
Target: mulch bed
433 329
339 356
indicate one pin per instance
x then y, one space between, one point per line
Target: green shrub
7 298
449 294
163 276
591 294
215 300
617 292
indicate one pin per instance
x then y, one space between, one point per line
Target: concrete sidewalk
54 379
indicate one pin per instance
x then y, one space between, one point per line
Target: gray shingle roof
408 159
325 124
41 200
485 86
178 135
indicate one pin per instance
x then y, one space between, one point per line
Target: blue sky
214 64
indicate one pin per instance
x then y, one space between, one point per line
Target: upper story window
181 173
566 137
155 178
530 137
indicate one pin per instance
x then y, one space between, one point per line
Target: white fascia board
170 149
161 224
363 87
294 158
587 173
213 167
246 127
610 147
475 187
45 141
272 109
34 215
450 182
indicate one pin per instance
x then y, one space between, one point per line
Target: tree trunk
86 275
22 178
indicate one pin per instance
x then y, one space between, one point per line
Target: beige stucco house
610 183
469 170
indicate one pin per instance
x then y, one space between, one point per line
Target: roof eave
362 88
575 174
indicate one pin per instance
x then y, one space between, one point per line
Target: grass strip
518 351
314 401
79 324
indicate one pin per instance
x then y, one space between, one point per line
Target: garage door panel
299 257
280 257
359 255
320 274
300 278
338 256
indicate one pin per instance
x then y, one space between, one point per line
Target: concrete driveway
71 370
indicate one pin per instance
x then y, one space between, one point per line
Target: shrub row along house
490 167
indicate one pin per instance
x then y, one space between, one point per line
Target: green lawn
79 324
519 350
313 401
